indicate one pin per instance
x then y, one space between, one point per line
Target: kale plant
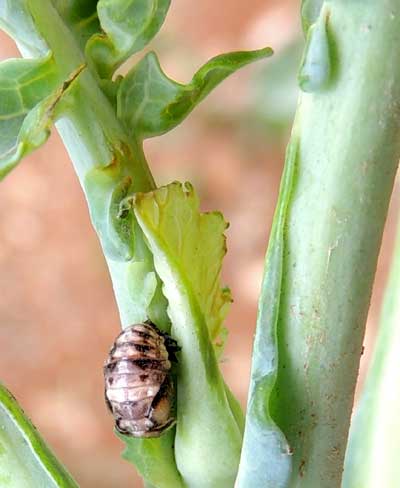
165 255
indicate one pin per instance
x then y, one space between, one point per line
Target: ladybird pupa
138 388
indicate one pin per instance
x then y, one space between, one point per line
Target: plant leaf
26 86
29 93
16 20
26 460
188 247
128 27
150 104
189 233
265 459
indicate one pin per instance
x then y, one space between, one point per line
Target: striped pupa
139 390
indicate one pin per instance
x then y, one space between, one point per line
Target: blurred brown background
57 313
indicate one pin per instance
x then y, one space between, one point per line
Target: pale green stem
90 130
348 133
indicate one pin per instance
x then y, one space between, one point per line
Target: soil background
58 317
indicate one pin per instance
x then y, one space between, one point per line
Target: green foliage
150 103
26 86
128 26
188 248
193 241
26 461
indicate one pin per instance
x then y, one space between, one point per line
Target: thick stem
348 130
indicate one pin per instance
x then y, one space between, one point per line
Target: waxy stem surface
347 130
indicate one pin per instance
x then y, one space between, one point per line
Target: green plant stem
348 130
372 452
90 130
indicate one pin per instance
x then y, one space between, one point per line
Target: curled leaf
128 27
173 210
150 104
188 247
